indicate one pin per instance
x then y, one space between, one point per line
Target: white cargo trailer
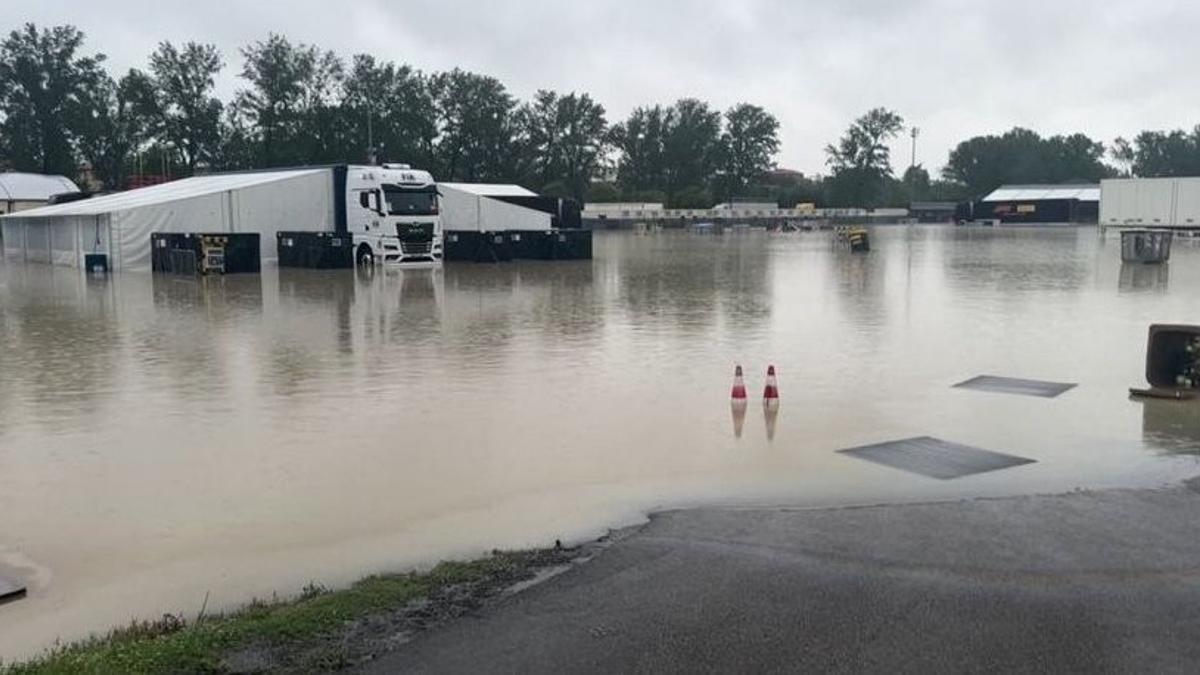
1150 202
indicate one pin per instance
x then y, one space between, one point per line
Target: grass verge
318 630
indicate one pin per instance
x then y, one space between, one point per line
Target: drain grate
1012 385
935 458
10 590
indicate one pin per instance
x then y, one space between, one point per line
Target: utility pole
915 133
370 139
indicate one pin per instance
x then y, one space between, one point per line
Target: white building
23 191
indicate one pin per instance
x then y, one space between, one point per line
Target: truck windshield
410 203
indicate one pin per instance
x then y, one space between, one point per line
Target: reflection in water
720 276
59 350
1141 277
738 409
771 417
163 437
1171 427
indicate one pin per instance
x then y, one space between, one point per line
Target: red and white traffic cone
738 404
771 391
739 385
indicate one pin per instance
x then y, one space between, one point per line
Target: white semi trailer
1150 202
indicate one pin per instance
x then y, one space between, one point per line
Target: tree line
299 104
861 173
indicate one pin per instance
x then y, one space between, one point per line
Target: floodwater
163 439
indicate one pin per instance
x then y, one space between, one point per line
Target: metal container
1173 356
1146 246
316 250
204 253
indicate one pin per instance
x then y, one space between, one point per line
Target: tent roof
489 189
33 187
185 188
1084 192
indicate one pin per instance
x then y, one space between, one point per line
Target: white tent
479 207
120 224
21 191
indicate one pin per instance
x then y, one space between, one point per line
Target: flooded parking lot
163 439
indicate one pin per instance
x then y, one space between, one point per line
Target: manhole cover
934 457
1012 385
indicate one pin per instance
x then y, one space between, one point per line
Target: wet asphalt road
1096 581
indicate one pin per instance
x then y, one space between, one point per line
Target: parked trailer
388 214
1150 202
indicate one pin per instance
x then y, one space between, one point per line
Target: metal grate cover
934 457
1012 385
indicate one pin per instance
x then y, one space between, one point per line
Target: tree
748 145
691 148
983 163
389 109
188 114
561 140
602 192
291 104
44 89
118 120
475 127
1159 153
674 151
640 140
1123 154
864 145
862 160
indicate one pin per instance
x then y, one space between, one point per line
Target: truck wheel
363 256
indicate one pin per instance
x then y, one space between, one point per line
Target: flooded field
165 438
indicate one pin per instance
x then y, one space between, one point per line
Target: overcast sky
954 68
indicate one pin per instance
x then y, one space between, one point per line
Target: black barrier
315 250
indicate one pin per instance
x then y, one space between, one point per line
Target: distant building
932 212
746 206
22 191
1069 203
621 210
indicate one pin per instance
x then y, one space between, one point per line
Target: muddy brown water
165 438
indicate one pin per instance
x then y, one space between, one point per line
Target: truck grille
416 248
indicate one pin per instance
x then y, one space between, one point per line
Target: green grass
171 645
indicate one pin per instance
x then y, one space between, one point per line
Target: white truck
392 215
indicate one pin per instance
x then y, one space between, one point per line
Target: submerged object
858 239
1146 246
10 590
1172 362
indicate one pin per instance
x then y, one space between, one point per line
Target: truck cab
392 215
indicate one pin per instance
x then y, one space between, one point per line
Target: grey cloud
955 69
